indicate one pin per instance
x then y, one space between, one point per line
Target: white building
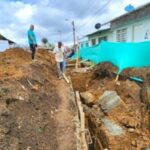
130 27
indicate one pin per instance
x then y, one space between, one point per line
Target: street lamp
74 32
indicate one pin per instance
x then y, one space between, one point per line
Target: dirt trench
127 125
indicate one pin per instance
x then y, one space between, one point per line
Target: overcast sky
49 17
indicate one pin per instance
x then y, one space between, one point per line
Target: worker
71 53
32 41
59 52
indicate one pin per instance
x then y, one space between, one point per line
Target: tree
44 41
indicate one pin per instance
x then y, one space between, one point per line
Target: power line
90 7
103 7
97 11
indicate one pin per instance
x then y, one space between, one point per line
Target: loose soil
133 115
36 109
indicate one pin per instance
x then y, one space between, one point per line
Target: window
93 42
122 35
104 38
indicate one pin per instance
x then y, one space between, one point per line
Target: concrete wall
136 32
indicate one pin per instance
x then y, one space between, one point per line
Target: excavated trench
117 114
35 114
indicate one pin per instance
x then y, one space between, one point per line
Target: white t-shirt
59 54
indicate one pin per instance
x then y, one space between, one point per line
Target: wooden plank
88 136
82 122
83 61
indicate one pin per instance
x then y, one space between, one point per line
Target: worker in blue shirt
32 41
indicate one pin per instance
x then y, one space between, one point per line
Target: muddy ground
36 109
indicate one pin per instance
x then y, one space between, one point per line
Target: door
138 33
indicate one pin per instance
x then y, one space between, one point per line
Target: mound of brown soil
30 103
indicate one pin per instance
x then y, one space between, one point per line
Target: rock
4 110
130 122
131 130
134 143
145 148
35 87
52 113
20 98
28 148
14 143
138 132
88 98
118 83
145 138
95 107
145 95
109 100
112 127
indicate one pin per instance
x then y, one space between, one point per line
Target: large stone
109 101
88 98
113 128
130 122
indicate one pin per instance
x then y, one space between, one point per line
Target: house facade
130 27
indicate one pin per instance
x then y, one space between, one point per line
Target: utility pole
74 34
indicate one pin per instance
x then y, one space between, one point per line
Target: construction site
88 110
75 75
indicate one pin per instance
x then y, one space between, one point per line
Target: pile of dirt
118 114
31 103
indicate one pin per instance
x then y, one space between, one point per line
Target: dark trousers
33 50
61 66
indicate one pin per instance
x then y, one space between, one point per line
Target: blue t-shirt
31 34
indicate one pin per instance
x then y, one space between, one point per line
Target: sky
52 18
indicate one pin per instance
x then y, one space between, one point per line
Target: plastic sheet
122 55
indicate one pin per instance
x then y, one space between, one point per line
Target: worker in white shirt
59 52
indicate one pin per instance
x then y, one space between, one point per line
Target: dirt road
65 118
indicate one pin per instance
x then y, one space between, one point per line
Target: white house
130 27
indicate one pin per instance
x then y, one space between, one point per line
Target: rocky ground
117 113
36 109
